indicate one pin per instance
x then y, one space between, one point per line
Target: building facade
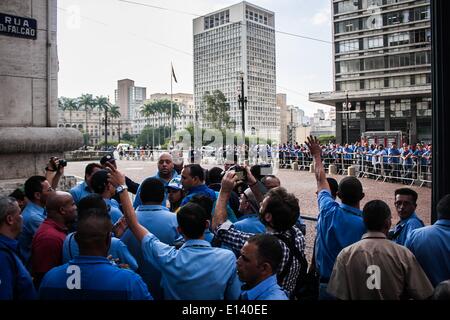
230 44
129 97
185 102
382 68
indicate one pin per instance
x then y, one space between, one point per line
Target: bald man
90 275
166 172
46 248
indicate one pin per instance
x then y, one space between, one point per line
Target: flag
173 75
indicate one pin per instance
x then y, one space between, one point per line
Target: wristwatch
121 189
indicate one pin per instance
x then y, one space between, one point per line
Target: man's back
196 271
92 278
431 246
378 269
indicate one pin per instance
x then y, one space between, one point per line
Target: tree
114 113
215 109
103 105
87 102
70 104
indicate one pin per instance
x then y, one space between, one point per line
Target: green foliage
325 139
151 135
215 109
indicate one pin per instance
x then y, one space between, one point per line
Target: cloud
323 17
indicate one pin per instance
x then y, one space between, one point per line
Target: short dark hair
93 226
205 202
91 201
350 191
152 190
215 175
99 181
334 186
269 250
284 208
375 213
90 168
443 208
32 185
407 192
18 194
192 220
195 170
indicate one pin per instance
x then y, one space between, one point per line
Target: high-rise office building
382 68
235 42
129 98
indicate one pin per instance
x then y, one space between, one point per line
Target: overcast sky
102 41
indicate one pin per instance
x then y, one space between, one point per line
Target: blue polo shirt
99 280
404 227
137 200
408 161
33 215
250 223
80 191
267 289
338 226
117 250
395 156
114 210
196 271
163 224
202 190
15 280
431 246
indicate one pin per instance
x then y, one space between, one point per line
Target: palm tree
148 111
103 105
114 112
71 104
87 101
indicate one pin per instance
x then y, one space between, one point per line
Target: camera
241 173
266 169
62 163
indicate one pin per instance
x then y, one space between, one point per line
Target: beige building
95 125
129 98
185 102
284 116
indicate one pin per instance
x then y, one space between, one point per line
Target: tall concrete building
382 61
230 43
129 98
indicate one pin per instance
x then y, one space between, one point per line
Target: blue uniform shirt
33 215
163 224
395 156
250 223
114 211
267 289
338 227
15 280
431 246
117 250
80 191
404 227
98 280
201 189
409 160
196 271
137 200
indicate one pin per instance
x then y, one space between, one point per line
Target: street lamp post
242 99
346 106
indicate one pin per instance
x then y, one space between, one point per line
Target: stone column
29 94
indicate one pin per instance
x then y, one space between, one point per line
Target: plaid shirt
236 239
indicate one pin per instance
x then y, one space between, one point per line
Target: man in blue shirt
257 266
249 220
431 245
15 280
165 174
407 162
84 188
196 271
101 186
394 160
405 204
158 220
338 225
193 181
37 190
91 276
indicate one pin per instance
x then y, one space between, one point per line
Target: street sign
19 27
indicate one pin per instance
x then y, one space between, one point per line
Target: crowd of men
232 233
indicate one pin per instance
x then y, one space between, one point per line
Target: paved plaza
301 183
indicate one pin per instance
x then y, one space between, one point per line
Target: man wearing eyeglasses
405 204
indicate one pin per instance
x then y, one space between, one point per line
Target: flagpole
171 105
